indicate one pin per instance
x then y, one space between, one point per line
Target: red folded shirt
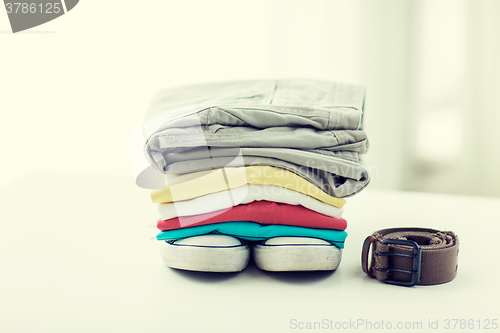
263 212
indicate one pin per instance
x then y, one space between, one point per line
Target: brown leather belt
410 256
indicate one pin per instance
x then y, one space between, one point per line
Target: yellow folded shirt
197 184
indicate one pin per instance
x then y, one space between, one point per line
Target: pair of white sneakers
221 253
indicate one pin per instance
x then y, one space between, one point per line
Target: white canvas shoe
280 254
206 253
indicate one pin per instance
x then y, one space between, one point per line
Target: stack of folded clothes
252 166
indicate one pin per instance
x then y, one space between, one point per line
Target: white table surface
77 255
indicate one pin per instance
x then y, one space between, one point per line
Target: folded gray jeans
309 127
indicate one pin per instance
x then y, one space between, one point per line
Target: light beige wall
74 88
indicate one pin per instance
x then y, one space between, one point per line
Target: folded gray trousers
309 127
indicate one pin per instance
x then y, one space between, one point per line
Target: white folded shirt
243 195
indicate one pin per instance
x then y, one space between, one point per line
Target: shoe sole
205 258
286 258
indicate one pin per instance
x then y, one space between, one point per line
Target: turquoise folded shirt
254 232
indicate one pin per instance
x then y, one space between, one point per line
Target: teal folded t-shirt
254 232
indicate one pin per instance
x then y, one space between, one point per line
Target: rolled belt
410 256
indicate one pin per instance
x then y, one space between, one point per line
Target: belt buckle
416 262
365 253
